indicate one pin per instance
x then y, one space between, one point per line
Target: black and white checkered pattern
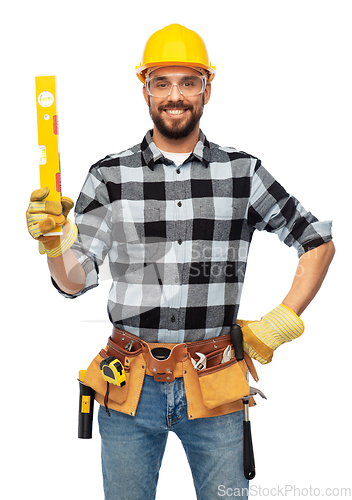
177 238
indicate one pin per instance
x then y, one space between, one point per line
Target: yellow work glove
44 216
261 338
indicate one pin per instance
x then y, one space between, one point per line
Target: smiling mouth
175 111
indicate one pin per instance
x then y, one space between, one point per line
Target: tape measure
113 371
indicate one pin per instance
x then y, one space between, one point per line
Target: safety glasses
187 85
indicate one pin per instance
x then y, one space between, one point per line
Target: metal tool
128 347
227 354
201 364
248 453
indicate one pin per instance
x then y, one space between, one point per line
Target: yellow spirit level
48 138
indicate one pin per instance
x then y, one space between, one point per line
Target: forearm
67 272
311 271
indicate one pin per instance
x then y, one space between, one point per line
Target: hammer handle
248 454
237 339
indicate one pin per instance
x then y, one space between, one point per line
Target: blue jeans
133 447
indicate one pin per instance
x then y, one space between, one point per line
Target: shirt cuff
92 275
319 233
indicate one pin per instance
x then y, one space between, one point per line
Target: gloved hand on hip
44 216
261 338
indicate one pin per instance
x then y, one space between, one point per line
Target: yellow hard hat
175 45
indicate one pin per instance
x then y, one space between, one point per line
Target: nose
175 94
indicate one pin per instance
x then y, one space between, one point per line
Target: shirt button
179 204
173 319
178 171
179 241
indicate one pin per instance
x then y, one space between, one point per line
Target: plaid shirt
177 238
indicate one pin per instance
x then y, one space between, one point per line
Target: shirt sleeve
93 220
272 209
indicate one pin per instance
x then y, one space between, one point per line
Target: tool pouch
223 383
123 399
216 390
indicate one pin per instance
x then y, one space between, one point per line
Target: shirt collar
151 154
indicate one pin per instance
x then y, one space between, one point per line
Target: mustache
176 105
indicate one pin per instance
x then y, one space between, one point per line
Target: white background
283 93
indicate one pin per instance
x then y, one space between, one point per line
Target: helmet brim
142 69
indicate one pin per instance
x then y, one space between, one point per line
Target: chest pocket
140 227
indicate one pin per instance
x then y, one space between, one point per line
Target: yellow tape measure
113 371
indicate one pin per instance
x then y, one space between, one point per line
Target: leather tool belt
215 390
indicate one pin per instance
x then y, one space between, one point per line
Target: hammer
248 454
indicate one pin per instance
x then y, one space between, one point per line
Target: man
175 215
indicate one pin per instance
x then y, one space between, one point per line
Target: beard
178 129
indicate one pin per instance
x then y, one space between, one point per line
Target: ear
145 94
207 93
